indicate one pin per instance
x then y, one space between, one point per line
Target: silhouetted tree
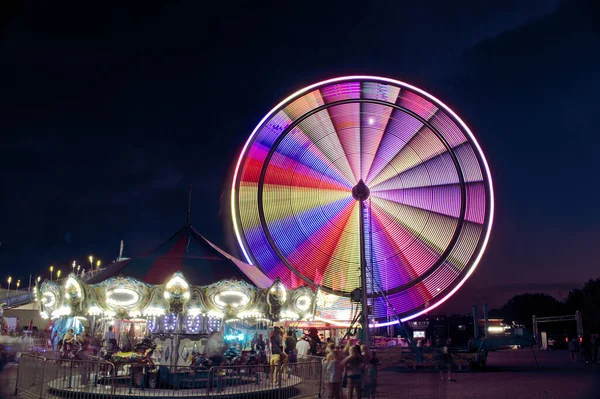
521 308
587 301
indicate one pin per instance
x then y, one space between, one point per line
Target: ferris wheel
364 182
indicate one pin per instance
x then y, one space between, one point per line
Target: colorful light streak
411 158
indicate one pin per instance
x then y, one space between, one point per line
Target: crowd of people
350 371
352 368
585 347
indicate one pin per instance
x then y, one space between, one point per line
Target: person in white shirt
110 340
303 348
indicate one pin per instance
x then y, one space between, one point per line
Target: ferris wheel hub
361 192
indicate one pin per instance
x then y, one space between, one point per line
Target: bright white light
215 314
63 311
231 298
49 299
177 280
288 315
371 121
94 311
153 311
122 297
73 288
303 303
495 329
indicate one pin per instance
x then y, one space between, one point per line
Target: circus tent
190 253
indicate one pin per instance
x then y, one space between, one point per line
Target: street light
51 270
39 279
74 264
9 280
91 262
58 274
18 284
98 264
78 267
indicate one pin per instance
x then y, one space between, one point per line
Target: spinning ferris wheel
364 182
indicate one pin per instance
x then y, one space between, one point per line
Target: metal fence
42 378
39 377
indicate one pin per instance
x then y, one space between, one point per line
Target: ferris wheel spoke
386 246
320 131
421 147
318 244
341 269
415 252
443 199
432 228
282 168
346 121
437 170
373 122
299 150
284 201
400 129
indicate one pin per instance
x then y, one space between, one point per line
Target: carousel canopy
188 252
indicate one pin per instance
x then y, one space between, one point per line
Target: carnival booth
186 298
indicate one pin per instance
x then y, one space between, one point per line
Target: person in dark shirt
290 342
276 350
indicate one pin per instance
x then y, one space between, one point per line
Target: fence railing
42 378
39 377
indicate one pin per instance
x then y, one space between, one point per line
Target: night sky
108 113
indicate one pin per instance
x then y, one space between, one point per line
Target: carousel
180 323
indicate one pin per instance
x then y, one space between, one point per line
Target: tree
521 308
587 301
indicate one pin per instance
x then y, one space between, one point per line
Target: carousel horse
142 353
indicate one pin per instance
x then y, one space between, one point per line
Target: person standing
110 341
586 347
594 340
371 376
83 355
276 344
290 342
334 374
303 348
354 366
572 346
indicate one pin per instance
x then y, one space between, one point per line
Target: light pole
74 264
78 267
9 280
57 275
51 270
39 279
91 262
98 264
18 284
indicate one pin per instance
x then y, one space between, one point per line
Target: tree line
521 308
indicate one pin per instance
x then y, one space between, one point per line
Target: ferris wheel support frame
363 276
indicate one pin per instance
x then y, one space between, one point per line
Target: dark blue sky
108 113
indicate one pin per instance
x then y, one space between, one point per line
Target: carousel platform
252 388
